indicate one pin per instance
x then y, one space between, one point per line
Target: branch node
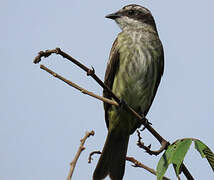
164 145
137 163
58 50
80 149
91 71
143 129
83 91
92 133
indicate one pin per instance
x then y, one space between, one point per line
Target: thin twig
80 149
91 72
140 144
84 91
135 162
91 154
141 165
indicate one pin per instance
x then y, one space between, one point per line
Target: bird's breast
136 77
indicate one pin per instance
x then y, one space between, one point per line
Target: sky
42 119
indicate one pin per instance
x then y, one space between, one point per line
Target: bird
133 73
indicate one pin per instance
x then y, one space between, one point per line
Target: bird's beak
113 15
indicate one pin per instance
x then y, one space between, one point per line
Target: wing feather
111 70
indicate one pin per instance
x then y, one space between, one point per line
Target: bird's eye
131 12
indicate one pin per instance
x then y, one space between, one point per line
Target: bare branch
130 159
91 154
141 165
84 91
91 72
140 144
80 149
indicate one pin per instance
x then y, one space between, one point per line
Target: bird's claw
122 104
145 122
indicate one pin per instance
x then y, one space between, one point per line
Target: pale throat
126 23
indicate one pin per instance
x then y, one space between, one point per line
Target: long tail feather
113 157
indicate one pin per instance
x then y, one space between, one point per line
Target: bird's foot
122 104
145 122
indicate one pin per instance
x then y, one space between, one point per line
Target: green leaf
205 152
165 160
200 147
180 152
175 154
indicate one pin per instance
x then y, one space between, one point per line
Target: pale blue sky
42 119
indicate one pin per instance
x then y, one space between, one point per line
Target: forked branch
84 91
91 72
135 162
140 144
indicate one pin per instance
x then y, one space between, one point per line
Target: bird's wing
160 71
111 70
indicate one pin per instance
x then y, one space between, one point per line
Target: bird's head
133 16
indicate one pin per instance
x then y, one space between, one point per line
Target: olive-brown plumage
133 73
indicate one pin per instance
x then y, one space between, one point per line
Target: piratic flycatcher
133 73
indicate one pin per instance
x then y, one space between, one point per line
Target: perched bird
133 73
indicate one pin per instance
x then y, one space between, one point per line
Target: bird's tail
113 157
